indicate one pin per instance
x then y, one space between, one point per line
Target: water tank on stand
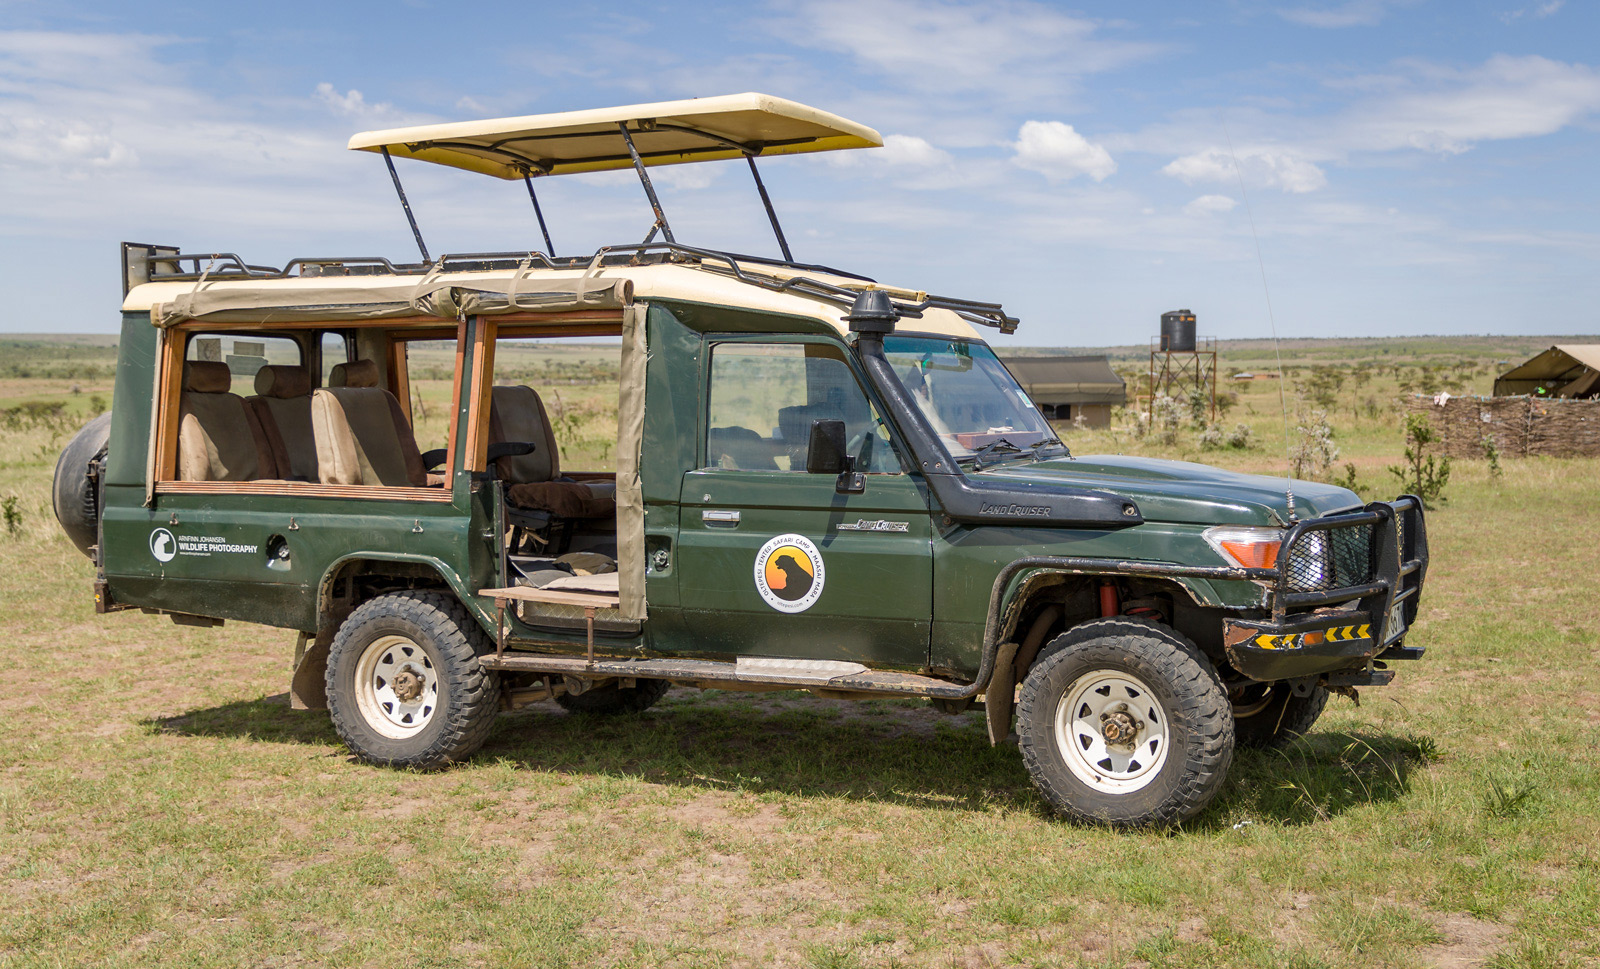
1177 331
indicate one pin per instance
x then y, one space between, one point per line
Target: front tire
1268 716
1125 726
405 688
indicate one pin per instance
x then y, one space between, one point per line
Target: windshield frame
985 447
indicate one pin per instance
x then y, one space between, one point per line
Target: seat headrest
360 373
206 377
275 380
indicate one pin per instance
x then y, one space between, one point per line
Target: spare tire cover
77 507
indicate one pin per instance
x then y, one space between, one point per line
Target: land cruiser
821 483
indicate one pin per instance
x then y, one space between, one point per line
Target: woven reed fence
1519 426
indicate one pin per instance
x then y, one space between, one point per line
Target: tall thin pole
649 190
777 230
406 205
549 247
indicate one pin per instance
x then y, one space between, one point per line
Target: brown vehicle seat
361 433
283 406
739 448
534 480
219 438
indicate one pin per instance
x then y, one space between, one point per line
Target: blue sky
1412 167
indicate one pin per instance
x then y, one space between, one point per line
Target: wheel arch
1040 602
351 580
341 588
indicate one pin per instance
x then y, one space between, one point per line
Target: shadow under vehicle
821 483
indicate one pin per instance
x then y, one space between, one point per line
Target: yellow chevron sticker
1266 641
1365 633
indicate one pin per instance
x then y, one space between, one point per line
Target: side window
244 353
335 350
764 397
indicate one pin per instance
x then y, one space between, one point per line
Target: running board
758 672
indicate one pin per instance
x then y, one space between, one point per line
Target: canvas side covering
344 298
630 441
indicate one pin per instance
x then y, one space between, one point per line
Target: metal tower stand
1177 372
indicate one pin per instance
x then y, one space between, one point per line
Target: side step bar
750 673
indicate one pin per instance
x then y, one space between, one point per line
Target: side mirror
825 454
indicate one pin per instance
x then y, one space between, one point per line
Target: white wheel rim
1080 731
388 662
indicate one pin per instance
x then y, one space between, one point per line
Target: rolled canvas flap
630 441
240 302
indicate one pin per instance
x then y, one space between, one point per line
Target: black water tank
1177 331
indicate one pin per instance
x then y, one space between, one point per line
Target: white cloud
1354 13
1540 12
1057 151
1508 97
354 104
1210 205
1281 168
1007 48
899 152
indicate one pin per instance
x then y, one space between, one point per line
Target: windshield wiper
995 445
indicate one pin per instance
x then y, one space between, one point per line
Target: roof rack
228 266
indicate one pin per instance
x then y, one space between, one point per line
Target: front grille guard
1397 563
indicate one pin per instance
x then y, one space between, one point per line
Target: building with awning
1567 370
1070 388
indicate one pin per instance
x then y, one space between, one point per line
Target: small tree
1313 451
1167 418
1424 475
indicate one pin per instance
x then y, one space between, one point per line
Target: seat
740 448
534 481
283 406
219 437
361 433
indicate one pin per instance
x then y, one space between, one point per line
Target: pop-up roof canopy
664 133
634 136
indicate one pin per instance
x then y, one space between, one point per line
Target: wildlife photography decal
789 573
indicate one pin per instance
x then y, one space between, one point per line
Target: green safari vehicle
821 483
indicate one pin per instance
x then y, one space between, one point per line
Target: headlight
1245 546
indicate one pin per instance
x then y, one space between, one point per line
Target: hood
1182 491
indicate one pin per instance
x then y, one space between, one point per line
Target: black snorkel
872 317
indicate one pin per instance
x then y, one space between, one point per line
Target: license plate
1396 626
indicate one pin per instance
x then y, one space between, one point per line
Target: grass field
160 804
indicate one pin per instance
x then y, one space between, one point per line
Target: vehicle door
776 562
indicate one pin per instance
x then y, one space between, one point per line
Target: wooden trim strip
400 378
455 402
477 416
300 489
171 397
204 326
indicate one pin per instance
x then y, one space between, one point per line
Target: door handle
720 517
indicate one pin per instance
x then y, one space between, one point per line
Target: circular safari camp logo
163 546
789 573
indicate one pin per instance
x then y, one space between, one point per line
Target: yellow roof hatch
664 133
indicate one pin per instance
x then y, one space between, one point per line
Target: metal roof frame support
777 230
549 246
404 204
649 190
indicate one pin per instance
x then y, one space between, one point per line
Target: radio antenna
1283 401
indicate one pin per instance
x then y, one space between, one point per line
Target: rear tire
1126 724
612 700
405 688
1268 716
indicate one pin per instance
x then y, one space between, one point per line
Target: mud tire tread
1199 708
473 698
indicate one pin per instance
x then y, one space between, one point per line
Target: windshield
971 400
